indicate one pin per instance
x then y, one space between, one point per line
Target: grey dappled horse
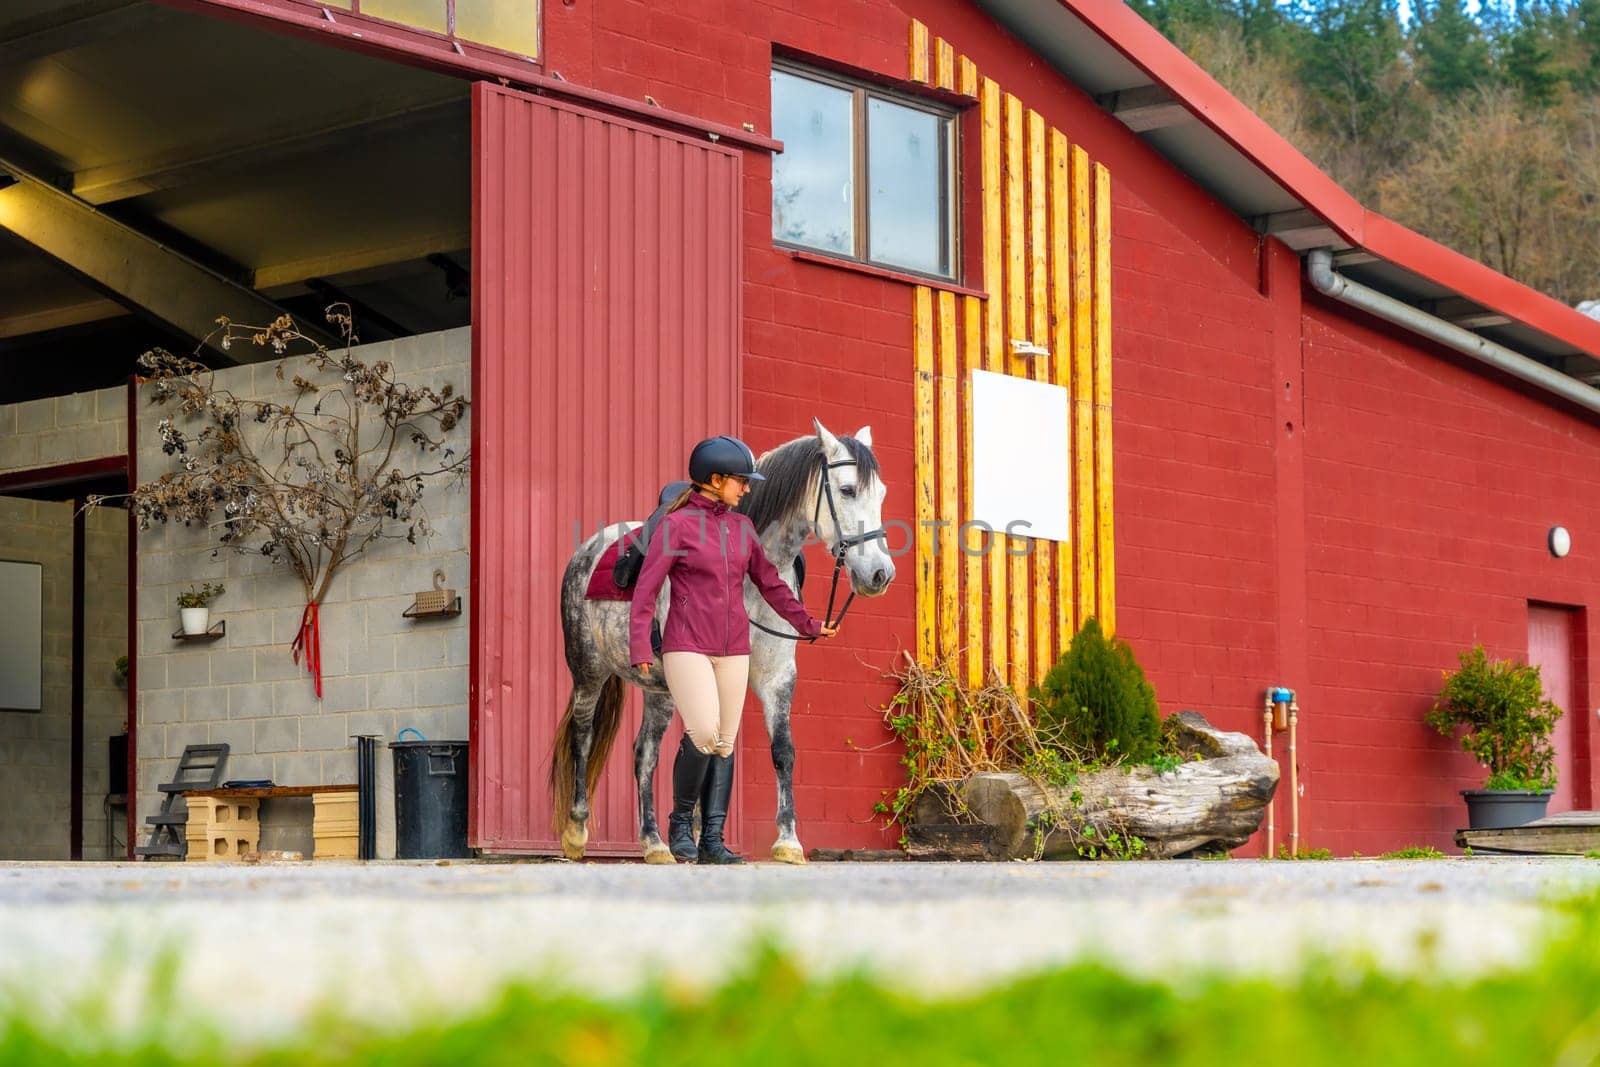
786 509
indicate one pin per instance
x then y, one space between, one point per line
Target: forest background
1477 125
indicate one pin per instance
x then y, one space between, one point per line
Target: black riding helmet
723 455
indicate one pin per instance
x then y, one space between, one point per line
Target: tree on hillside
1452 52
1357 83
1492 180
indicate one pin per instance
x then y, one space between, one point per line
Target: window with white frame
865 174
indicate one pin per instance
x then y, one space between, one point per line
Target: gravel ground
258 948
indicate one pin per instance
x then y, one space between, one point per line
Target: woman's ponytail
683 498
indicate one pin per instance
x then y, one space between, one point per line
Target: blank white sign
21 636
1021 464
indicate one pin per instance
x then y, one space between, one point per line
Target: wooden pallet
1571 833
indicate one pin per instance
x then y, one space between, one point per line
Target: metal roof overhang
262 164
1146 82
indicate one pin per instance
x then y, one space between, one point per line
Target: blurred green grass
1341 1013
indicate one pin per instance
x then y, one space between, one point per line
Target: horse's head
849 508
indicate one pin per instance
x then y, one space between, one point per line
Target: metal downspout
1319 269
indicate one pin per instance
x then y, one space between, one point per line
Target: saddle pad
601 587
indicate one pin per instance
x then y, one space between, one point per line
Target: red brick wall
1426 488
1429 489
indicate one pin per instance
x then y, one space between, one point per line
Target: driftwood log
1211 804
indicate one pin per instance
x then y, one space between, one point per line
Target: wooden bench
226 823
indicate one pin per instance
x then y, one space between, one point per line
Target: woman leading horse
708 550
820 486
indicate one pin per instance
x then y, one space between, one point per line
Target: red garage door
606 317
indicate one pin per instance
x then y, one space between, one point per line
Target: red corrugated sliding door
606 325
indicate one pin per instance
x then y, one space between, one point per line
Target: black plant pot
1497 809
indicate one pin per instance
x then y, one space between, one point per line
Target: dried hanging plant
312 482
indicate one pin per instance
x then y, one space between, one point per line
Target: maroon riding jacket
707 549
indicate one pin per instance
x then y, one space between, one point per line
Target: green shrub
1096 701
1507 719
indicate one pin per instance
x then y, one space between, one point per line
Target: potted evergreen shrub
194 606
1506 721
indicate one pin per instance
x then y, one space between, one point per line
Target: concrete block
286 623
386 615
303 768
275 663
249 629
189 666
392 691
36 415
252 701
246 766
447 686
336 847
458 645
152 742
325 732
436 724
8 420
240 737
111 405
381 723
205 703
374 655
344 694
75 408
277 735
422 650
186 733
229 666
18 451
58 446
160 706
94 440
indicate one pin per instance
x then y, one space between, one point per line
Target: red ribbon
309 642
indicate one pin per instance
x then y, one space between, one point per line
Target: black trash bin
430 799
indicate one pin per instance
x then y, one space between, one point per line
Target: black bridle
841 546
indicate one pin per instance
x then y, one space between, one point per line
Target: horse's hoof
788 852
574 839
658 853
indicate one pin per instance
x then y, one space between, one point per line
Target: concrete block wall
35 748
381 672
64 429
35 770
105 700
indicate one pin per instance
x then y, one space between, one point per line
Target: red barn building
1305 447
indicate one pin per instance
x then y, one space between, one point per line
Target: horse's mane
792 470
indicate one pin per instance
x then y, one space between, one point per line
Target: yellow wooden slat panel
1083 385
949 480
923 347
1061 352
944 64
972 564
1104 540
919 52
994 358
1016 327
1039 370
966 77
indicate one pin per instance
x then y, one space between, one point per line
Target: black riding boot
714 811
688 778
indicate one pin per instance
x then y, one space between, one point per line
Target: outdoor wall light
1560 541
1027 348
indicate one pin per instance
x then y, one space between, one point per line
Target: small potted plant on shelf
194 607
121 667
1506 723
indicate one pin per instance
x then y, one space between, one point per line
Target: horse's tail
603 726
